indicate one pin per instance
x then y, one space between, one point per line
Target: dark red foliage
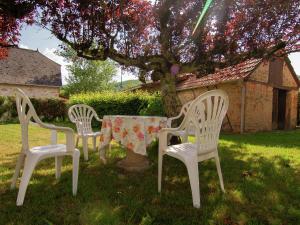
12 14
101 26
156 36
8 33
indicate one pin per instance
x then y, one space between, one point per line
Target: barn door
275 109
279 108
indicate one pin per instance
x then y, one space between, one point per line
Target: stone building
31 71
263 95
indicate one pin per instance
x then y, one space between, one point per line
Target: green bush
47 109
120 103
8 109
50 109
105 103
153 107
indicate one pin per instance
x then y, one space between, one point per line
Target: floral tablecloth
133 132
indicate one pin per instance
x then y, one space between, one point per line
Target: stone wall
261 73
291 109
258 107
234 93
31 91
288 79
259 99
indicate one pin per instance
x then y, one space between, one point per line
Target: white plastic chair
205 114
31 156
82 116
182 133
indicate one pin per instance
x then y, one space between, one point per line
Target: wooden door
281 108
275 109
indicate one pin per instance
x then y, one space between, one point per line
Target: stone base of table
134 162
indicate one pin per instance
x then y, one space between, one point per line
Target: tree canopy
156 36
12 15
87 75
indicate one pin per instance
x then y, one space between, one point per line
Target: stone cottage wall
31 91
261 73
234 93
258 107
288 79
291 98
291 109
258 100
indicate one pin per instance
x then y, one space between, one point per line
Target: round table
135 133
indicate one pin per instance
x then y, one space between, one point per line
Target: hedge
47 109
105 103
121 103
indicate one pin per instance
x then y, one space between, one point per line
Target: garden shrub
50 109
121 103
154 107
47 109
8 110
105 103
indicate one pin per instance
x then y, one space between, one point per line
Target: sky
34 37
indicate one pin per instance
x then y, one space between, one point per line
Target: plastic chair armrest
98 119
169 121
69 132
169 130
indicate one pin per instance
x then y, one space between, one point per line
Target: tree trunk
169 96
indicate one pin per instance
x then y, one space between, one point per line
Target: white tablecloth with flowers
133 132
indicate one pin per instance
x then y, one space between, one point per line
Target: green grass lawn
261 177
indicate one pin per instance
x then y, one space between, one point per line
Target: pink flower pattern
140 136
133 132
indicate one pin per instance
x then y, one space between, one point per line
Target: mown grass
261 175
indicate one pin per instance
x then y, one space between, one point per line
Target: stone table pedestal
134 162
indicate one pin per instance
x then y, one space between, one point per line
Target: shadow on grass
259 190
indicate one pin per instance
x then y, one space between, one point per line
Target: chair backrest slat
26 113
205 114
82 116
185 108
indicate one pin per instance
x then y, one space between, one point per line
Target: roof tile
25 66
236 72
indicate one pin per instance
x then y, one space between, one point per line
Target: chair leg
30 163
192 168
77 141
58 164
219 172
160 162
94 143
19 164
76 156
85 148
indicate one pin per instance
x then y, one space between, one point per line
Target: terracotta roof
232 73
29 67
